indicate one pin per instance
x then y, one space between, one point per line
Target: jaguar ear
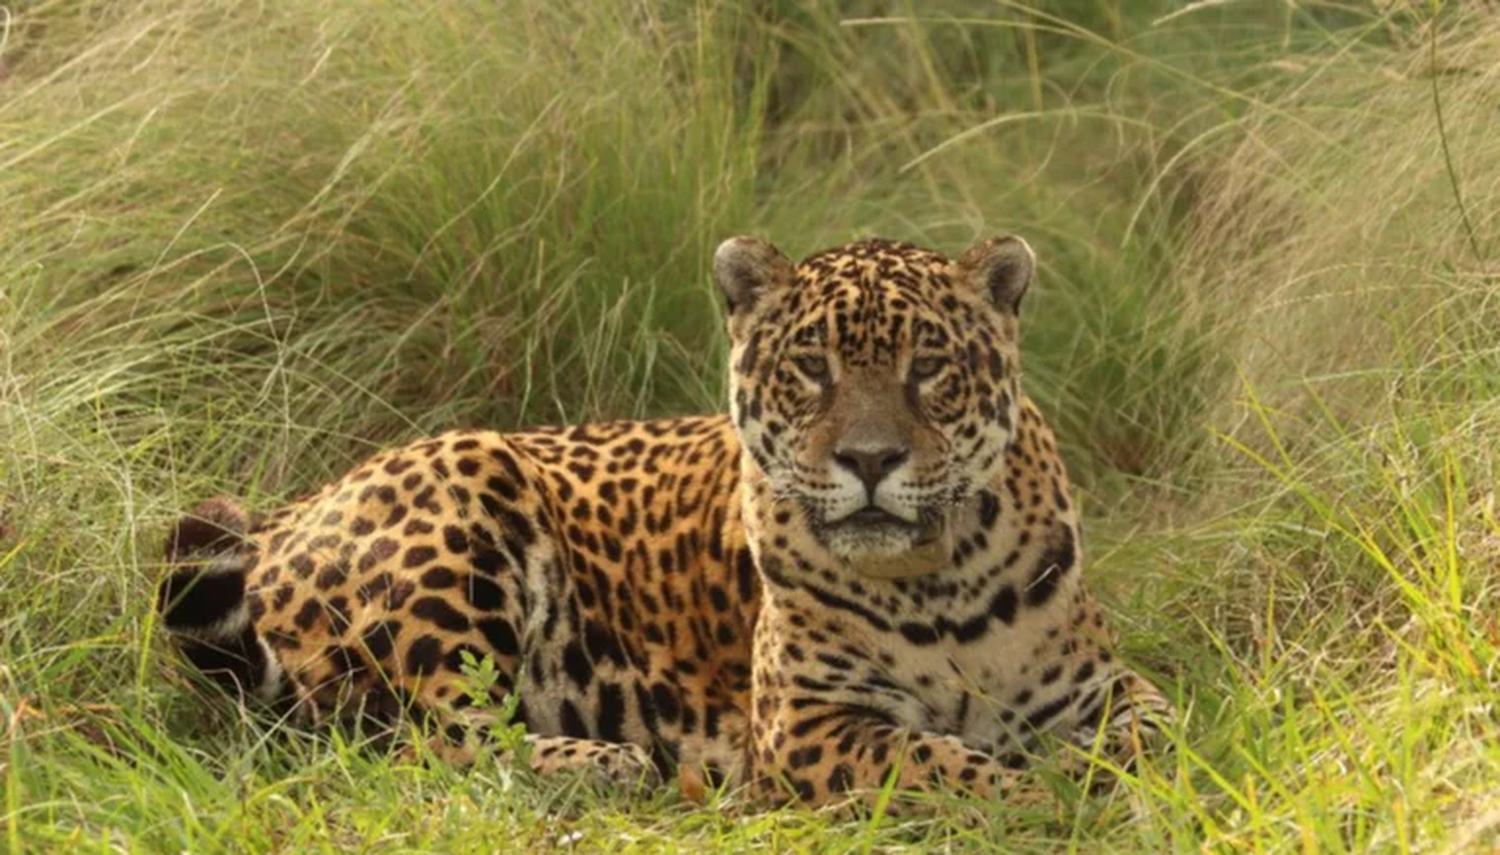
746 268
1002 268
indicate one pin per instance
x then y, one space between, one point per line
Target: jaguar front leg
1118 723
470 734
825 753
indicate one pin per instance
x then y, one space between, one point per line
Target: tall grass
241 244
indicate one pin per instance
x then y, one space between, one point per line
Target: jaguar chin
876 534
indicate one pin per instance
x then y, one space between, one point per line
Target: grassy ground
243 243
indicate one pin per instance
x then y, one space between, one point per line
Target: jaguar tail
202 601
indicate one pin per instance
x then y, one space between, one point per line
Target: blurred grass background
241 244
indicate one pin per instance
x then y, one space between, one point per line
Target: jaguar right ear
746 268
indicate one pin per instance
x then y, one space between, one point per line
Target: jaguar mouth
873 517
873 521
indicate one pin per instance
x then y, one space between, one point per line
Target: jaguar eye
815 367
924 367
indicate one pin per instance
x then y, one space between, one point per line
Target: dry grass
240 244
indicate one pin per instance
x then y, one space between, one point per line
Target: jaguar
866 574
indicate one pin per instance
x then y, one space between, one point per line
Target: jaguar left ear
746 268
1002 268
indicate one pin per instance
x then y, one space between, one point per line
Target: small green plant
501 729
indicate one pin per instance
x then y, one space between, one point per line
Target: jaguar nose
871 466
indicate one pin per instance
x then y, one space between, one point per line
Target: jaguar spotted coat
869 569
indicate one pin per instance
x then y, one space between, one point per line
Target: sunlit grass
243 244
